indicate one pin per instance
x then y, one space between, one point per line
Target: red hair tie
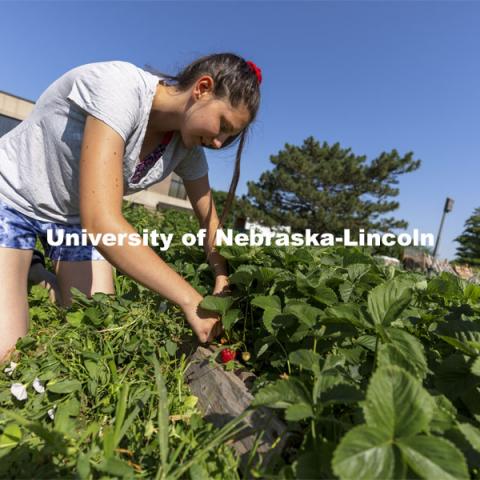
255 70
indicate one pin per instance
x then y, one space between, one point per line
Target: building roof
16 96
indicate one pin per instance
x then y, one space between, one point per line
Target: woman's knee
89 277
13 298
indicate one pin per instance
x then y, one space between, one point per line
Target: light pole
447 208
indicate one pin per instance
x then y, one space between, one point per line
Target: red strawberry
227 355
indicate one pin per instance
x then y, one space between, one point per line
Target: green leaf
305 313
471 433
315 462
397 404
272 303
357 270
405 351
298 411
367 341
446 285
465 332
476 367
64 386
353 256
434 457
300 333
230 318
115 466
11 437
281 394
304 283
325 295
75 318
387 301
444 415
263 344
198 472
268 318
306 359
351 312
63 421
453 377
171 347
121 409
241 278
217 304
471 399
346 289
83 466
25 343
365 452
94 315
459 345
472 293
341 393
266 275
163 417
108 438
54 439
238 254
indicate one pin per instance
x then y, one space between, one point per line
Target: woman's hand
221 285
205 324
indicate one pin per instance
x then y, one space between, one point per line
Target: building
170 193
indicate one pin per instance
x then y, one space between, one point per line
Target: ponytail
234 182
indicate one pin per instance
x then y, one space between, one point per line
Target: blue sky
372 76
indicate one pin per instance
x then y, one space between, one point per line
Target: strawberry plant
375 371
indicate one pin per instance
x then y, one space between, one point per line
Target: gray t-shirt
39 159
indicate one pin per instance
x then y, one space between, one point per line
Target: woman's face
210 121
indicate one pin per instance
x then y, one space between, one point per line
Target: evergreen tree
328 188
469 240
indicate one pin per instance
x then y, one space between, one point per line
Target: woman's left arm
201 198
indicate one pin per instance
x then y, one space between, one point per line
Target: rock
388 260
418 260
223 395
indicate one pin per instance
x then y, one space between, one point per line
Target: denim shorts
19 231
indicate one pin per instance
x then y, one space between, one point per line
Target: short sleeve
193 166
109 91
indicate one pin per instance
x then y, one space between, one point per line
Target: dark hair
234 80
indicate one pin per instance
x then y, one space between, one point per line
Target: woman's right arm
101 194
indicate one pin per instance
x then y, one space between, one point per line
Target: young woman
101 131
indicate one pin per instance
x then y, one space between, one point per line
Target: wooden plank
223 396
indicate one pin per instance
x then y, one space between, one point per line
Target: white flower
9 370
51 412
19 391
37 385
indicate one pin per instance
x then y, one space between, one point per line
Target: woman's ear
203 87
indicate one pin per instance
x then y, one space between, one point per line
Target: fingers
216 331
218 328
207 314
223 293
